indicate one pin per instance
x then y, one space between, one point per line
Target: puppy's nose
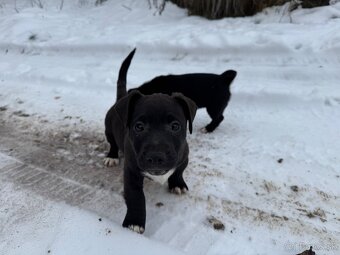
155 159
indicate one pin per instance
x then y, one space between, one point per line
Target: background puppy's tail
228 76
121 83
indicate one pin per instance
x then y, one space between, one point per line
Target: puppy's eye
139 127
175 126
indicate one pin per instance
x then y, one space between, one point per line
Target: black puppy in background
151 132
211 91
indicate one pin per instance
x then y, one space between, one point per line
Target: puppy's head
156 127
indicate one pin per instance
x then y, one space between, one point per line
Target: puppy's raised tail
228 76
121 83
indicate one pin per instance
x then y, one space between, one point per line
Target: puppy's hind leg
176 182
213 125
216 113
216 108
112 158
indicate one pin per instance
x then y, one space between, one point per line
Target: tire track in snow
49 174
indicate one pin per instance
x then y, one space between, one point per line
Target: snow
285 105
43 227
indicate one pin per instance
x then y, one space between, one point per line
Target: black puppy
151 132
211 91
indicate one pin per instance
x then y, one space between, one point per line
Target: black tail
228 76
121 83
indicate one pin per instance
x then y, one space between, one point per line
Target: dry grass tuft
217 9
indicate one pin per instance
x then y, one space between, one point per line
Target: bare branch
15 6
61 5
161 7
149 3
126 7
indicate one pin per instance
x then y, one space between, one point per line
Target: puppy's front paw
110 162
177 185
136 228
179 191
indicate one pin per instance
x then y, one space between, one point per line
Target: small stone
217 224
159 204
280 160
310 215
21 114
294 188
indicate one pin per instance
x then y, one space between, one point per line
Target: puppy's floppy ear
189 107
125 106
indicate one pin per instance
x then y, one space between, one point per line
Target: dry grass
216 9
314 3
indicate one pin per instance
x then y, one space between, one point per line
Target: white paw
110 162
179 191
204 130
137 229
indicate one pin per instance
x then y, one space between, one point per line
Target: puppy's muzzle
157 162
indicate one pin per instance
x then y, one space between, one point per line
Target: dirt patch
61 164
269 186
3 108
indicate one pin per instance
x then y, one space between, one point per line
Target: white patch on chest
160 178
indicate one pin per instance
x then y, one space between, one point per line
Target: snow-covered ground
58 70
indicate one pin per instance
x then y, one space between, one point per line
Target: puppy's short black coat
211 91
151 132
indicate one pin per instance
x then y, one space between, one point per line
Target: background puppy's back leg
216 114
